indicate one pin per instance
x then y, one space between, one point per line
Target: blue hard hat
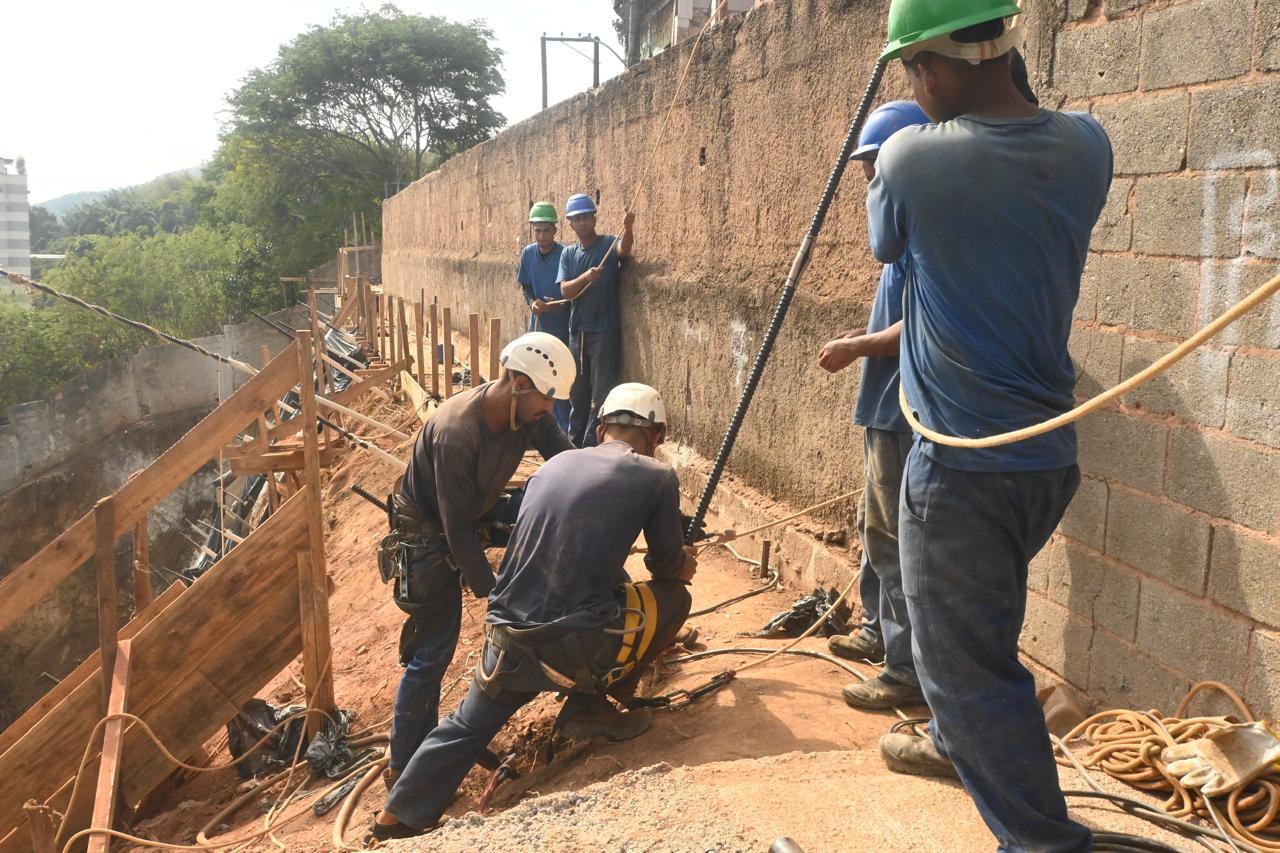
577 204
887 120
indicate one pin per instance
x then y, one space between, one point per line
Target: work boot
379 832
915 755
856 647
686 636
593 716
389 778
877 694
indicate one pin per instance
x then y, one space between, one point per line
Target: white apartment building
15 227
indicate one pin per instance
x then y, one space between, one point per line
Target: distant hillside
60 205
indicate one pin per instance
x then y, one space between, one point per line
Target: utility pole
595 58
595 63
544 71
634 26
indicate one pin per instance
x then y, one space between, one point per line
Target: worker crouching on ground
462 459
886 627
993 207
538 276
564 615
590 272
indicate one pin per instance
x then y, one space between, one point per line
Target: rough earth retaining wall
1165 570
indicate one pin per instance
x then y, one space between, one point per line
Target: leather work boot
594 716
856 647
915 755
877 694
379 832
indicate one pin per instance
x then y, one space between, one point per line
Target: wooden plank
42 827
314 585
105 795
321 370
447 322
104 561
435 349
25 586
417 334
347 397
473 346
86 670
278 460
141 566
405 356
495 346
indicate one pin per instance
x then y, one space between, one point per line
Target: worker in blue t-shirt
992 206
885 631
589 277
538 278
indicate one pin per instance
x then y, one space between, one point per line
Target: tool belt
415 558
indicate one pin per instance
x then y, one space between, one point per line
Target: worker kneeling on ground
564 615
463 458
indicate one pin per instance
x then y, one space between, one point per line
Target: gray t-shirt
581 514
460 467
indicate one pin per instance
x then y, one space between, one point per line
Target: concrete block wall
1165 568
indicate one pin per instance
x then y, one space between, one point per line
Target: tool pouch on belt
547 658
414 558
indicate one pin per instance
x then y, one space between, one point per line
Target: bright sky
99 95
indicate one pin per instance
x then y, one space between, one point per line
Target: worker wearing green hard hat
536 275
992 206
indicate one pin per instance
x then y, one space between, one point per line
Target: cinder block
1118 7
1055 639
1148 133
1196 217
1096 60
1269 36
1177 47
1039 568
1224 478
1096 356
1086 309
1184 632
1096 590
1194 389
1262 689
1114 231
1223 284
1158 294
1086 516
1261 227
1122 676
1118 447
1253 409
1234 126
1244 575
1164 541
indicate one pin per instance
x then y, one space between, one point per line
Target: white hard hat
634 404
545 360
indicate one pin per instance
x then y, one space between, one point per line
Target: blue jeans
966 540
418 698
599 359
884 458
561 409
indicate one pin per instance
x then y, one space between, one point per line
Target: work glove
1225 759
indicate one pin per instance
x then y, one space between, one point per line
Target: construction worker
886 628
463 457
589 276
993 206
564 615
537 275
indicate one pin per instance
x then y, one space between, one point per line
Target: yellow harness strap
636 643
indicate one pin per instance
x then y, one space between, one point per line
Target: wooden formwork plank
351 394
108 788
27 585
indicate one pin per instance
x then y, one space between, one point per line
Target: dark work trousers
418 699
598 356
427 786
884 458
966 540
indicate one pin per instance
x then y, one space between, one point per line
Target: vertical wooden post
435 349
368 311
404 336
383 318
447 322
107 792
273 489
495 346
322 369
417 334
41 824
473 334
104 526
141 565
313 588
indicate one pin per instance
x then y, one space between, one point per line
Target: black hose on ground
784 303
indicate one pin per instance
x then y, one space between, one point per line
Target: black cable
784 303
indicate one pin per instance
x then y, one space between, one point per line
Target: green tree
45 229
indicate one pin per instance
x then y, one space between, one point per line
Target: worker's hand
538 306
690 567
838 354
1225 759
592 274
628 219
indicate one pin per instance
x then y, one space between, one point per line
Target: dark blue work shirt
581 513
538 277
877 406
597 309
995 216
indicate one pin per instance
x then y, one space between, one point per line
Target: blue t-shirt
995 216
597 308
877 406
538 276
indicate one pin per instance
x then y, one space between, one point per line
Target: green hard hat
543 211
913 21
